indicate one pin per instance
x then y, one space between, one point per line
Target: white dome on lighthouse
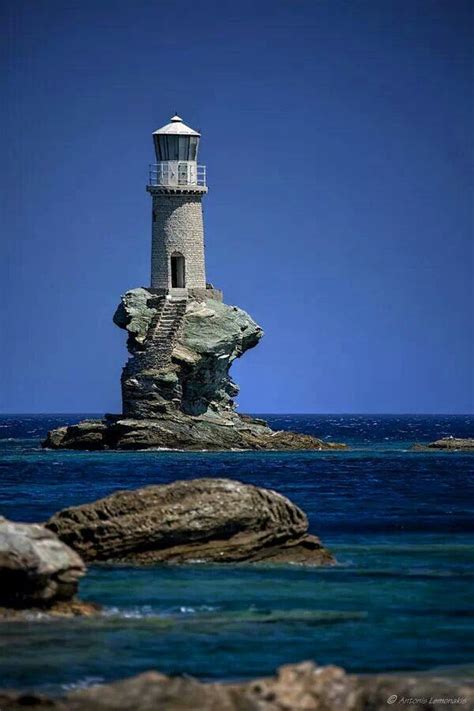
176 127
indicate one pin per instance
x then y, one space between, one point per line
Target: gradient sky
338 141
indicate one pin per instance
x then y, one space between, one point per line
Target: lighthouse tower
177 185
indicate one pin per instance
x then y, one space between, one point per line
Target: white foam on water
146 611
85 683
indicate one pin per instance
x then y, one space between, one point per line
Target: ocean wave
311 617
419 573
85 683
144 611
208 615
133 613
403 548
187 610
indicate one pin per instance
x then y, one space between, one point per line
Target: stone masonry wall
177 227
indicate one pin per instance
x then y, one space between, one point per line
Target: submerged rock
449 443
59 609
176 389
295 687
201 520
37 570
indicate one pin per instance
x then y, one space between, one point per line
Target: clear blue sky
338 140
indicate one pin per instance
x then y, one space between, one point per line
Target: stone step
162 333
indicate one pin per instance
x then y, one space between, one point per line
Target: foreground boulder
176 389
37 571
298 687
449 444
201 520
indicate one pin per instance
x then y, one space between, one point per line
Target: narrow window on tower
154 216
192 148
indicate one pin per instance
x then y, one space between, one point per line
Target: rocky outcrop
89 434
201 520
180 431
297 687
176 389
37 570
181 352
448 444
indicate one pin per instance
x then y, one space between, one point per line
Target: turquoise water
399 522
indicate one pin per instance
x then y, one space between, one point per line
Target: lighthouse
177 184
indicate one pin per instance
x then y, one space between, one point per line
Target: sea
399 522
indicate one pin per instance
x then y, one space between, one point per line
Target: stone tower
177 185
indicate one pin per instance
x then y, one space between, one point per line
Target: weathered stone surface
297 687
180 431
205 520
88 434
56 439
217 334
177 227
134 314
36 568
449 443
181 362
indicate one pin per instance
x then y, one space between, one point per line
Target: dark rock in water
181 431
448 443
296 687
201 520
88 434
176 389
37 570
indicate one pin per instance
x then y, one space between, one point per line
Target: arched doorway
178 273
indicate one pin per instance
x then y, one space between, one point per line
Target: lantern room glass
177 148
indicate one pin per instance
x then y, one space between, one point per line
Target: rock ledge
200 520
448 444
181 432
294 687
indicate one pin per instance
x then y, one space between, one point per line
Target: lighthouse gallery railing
177 173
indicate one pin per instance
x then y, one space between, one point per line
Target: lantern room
176 141
176 149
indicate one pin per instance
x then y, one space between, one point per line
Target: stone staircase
162 332
160 339
157 304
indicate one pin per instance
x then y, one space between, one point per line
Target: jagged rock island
448 444
182 339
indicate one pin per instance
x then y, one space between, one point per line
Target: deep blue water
400 523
